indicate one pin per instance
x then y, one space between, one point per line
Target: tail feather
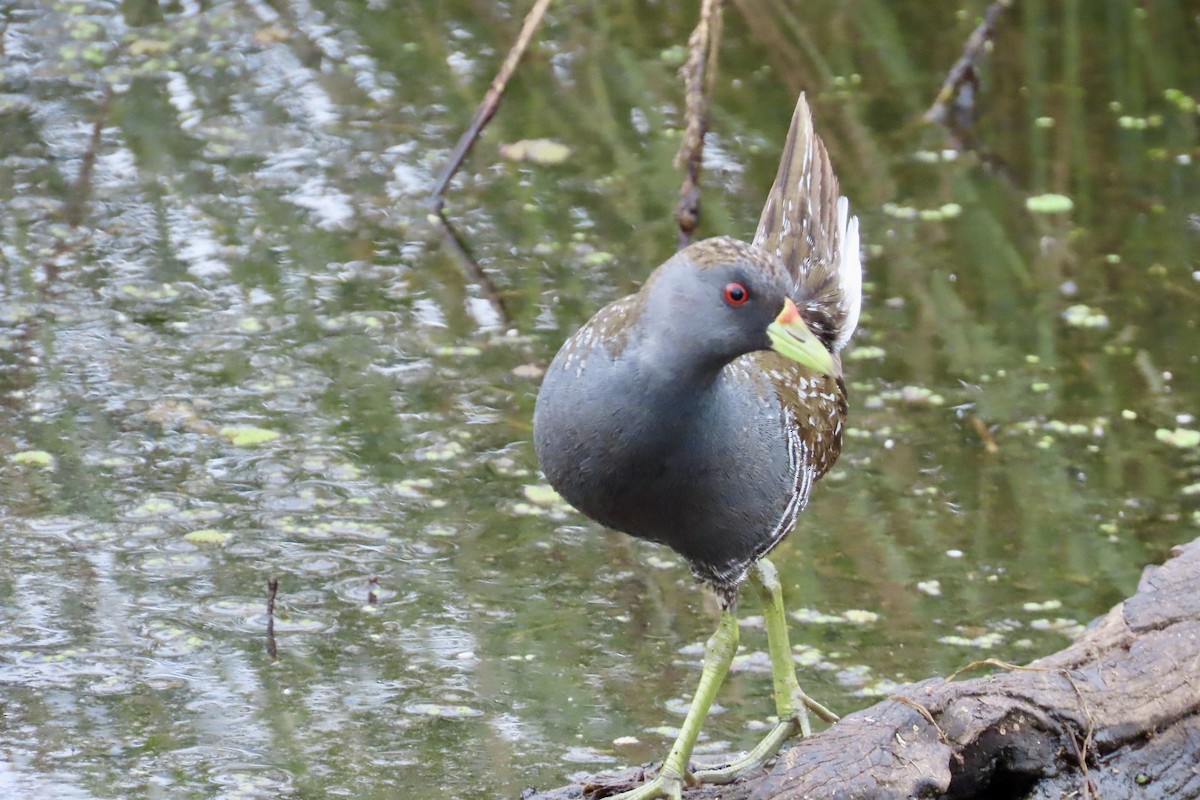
849 270
807 225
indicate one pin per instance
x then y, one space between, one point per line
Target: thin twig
924 712
489 105
963 71
981 428
472 268
77 203
716 26
699 75
1089 787
272 590
993 662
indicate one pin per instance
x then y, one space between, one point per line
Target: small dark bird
700 411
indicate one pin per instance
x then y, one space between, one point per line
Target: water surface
233 346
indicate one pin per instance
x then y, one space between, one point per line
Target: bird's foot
786 728
674 773
665 784
763 752
791 703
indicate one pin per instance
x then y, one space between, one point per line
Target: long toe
823 713
668 786
794 725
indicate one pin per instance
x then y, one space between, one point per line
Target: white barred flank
727 577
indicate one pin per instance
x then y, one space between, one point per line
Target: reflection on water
232 347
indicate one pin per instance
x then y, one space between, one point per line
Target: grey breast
706 471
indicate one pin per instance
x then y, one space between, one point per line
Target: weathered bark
1115 715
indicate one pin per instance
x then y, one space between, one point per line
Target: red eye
736 294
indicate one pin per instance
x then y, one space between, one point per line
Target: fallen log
1114 715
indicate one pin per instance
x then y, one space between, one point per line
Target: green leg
791 703
718 653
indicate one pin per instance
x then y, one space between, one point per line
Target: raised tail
807 225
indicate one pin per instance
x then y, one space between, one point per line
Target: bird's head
720 299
